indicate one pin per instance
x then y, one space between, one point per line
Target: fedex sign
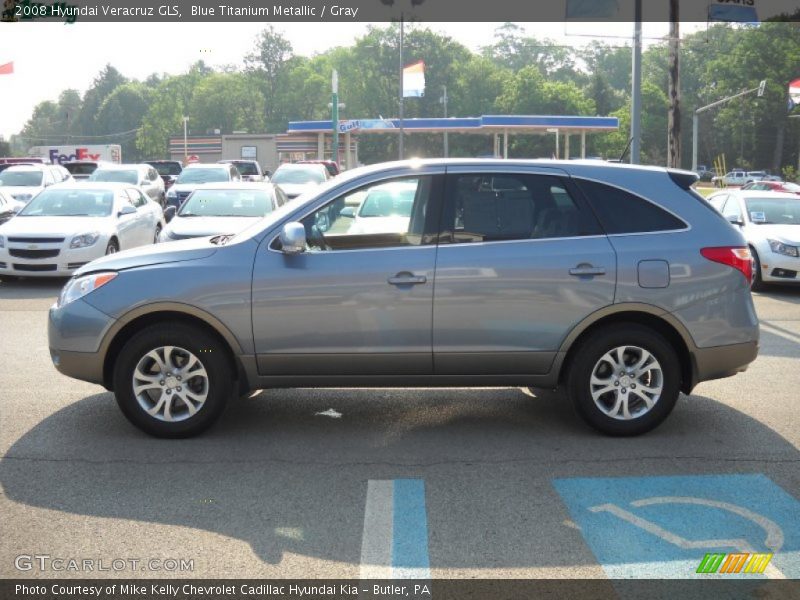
80 154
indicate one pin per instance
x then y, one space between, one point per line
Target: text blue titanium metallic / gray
518 273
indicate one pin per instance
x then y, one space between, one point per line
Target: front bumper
53 260
74 333
777 268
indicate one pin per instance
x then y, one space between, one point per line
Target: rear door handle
407 279
582 271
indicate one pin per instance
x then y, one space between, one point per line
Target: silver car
617 283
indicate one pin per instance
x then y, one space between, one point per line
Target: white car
222 208
68 225
9 206
770 221
385 209
143 175
196 174
296 179
23 182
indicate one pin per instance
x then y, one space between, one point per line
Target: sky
51 57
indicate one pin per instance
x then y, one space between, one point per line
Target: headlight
785 249
78 288
22 197
84 240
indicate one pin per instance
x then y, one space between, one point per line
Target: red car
773 186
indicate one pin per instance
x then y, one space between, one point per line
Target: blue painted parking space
653 527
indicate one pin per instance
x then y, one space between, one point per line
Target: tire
158 233
112 248
206 392
757 285
595 357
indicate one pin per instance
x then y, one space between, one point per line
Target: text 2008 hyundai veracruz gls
618 283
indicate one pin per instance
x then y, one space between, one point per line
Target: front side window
622 212
486 207
380 215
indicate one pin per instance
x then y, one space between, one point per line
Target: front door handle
587 270
406 278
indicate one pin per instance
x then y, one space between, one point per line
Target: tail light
738 257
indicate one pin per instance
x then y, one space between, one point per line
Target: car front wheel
624 380
172 380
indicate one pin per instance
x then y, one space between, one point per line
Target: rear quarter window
622 212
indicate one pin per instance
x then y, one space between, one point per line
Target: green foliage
515 74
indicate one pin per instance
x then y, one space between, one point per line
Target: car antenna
624 152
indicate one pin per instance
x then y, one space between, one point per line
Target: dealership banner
72 11
414 80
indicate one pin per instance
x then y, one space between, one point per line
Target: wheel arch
647 315
137 320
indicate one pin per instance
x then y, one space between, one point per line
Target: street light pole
696 119
185 140
335 115
444 102
400 146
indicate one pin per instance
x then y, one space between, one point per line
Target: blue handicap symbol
661 527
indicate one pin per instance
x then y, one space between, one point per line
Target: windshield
246 168
81 168
773 211
21 178
388 202
167 168
115 175
227 203
201 175
70 203
298 175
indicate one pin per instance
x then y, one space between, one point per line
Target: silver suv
617 283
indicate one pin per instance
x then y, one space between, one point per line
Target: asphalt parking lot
493 483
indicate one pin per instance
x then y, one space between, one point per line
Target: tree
228 102
106 82
267 64
122 112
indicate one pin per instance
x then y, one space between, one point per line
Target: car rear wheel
624 380
172 380
157 235
757 284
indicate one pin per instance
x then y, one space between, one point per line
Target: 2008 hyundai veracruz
618 283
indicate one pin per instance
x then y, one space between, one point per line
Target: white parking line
376 544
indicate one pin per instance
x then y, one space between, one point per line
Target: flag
588 10
414 80
743 11
7 69
794 94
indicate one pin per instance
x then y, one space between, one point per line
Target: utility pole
673 66
636 84
443 100
185 140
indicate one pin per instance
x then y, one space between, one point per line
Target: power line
61 136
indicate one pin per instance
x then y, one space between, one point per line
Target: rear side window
486 207
622 212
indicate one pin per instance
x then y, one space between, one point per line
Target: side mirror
348 211
169 213
127 210
293 238
267 172
735 220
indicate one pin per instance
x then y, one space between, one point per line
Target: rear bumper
723 361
